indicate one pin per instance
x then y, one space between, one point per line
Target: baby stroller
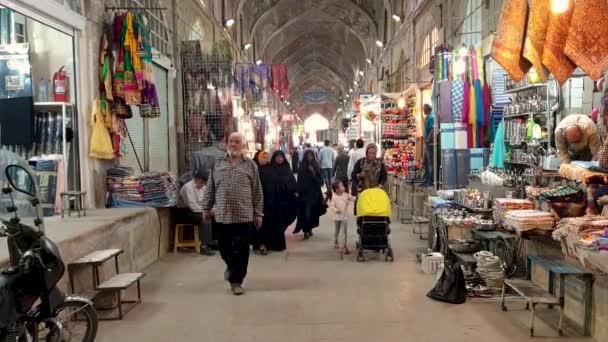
373 223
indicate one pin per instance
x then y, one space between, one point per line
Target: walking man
326 157
235 191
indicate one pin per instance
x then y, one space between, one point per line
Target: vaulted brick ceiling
323 42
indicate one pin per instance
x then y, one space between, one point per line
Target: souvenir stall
532 213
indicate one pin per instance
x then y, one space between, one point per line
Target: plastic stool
179 241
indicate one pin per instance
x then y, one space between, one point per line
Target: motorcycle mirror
20 179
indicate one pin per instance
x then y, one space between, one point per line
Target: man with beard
235 191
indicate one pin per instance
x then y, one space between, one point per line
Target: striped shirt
234 191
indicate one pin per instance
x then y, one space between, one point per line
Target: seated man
191 212
576 138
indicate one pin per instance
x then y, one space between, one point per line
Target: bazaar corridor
311 295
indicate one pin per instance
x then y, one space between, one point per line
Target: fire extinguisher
61 84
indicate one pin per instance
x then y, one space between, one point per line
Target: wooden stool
179 241
78 197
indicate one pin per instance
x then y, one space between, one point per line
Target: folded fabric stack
534 192
504 205
116 176
526 220
563 194
589 232
158 189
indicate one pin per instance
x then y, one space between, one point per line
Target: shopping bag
451 287
101 143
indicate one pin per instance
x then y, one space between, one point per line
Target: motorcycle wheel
78 320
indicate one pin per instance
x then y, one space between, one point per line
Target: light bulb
258 62
229 22
246 46
460 67
379 43
401 103
559 6
463 52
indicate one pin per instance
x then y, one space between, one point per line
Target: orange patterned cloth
508 44
587 43
535 35
553 55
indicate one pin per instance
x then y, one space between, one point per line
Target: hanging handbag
101 142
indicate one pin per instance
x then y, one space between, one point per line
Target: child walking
339 205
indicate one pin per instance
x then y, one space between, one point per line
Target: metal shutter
158 128
135 125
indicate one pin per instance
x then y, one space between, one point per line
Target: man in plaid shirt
235 191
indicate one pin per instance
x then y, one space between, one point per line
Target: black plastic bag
451 287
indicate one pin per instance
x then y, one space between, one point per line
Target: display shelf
399 133
524 88
523 115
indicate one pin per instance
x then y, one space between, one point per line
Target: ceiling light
347 96
229 22
369 61
350 90
559 6
210 86
356 83
379 43
396 18
258 62
246 46
361 73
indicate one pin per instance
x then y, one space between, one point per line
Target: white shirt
354 158
340 203
191 197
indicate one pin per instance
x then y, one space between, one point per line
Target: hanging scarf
242 76
472 117
466 108
119 76
260 75
536 32
587 43
553 53
280 82
488 126
150 106
508 43
457 99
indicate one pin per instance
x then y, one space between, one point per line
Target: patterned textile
601 120
279 80
587 43
553 54
260 76
457 98
582 175
507 46
535 35
466 107
234 191
445 102
479 114
242 75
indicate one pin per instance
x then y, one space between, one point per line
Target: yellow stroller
373 223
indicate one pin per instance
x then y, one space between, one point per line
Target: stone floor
309 294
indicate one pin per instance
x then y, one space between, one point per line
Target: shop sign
287 117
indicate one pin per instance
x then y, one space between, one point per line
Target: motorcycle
32 308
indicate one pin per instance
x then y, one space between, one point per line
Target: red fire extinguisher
61 83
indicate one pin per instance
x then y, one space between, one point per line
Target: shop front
523 213
39 93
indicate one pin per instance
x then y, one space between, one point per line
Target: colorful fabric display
478 159
460 135
508 43
457 98
587 43
279 80
499 153
445 102
242 75
449 166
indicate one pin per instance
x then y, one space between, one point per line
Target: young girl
339 205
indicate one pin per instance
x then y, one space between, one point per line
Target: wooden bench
420 221
534 295
121 282
558 270
116 284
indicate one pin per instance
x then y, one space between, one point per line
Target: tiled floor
309 294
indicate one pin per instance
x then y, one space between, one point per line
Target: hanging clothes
472 117
554 58
445 102
260 77
488 126
279 80
587 43
466 108
508 43
132 92
457 98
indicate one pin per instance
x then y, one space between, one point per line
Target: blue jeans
327 178
428 164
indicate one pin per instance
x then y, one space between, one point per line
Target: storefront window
38 100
